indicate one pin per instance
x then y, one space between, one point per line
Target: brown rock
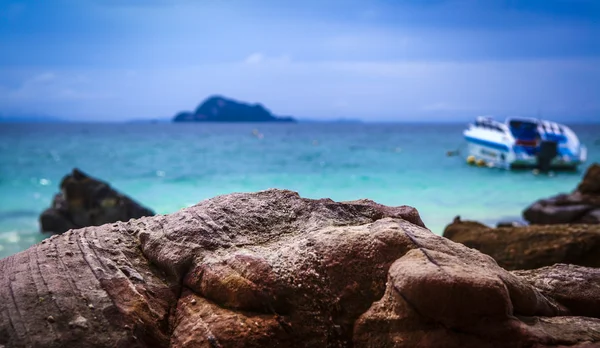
590 184
271 269
459 227
547 212
68 285
580 206
85 201
529 247
435 299
575 287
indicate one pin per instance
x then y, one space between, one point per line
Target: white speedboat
523 143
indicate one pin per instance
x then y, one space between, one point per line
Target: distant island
220 109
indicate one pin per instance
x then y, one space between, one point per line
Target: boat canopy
524 129
488 122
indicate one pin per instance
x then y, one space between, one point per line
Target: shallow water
170 166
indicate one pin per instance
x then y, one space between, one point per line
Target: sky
375 60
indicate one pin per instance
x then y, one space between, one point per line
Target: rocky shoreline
528 247
561 229
272 269
582 206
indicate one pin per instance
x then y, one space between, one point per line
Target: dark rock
528 247
546 213
580 206
86 201
271 269
592 217
219 109
55 219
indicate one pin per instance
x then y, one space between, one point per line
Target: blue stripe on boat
497 146
563 151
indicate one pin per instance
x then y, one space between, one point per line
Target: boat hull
502 156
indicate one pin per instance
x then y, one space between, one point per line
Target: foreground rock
575 287
86 201
271 269
581 206
528 247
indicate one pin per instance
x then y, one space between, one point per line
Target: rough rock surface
573 286
580 206
529 247
271 269
85 201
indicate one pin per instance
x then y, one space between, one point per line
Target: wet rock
580 206
528 247
271 269
86 201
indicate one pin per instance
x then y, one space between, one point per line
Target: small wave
15 214
10 237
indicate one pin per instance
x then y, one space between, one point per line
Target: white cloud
340 104
442 106
42 78
50 86
437 107
259 58
254 58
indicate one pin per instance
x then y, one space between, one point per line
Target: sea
168 166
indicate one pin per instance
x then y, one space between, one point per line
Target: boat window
491 125
523 129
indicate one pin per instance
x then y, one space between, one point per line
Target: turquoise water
170 166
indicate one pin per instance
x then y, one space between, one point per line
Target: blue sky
380 60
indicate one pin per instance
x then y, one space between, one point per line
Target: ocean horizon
169 166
